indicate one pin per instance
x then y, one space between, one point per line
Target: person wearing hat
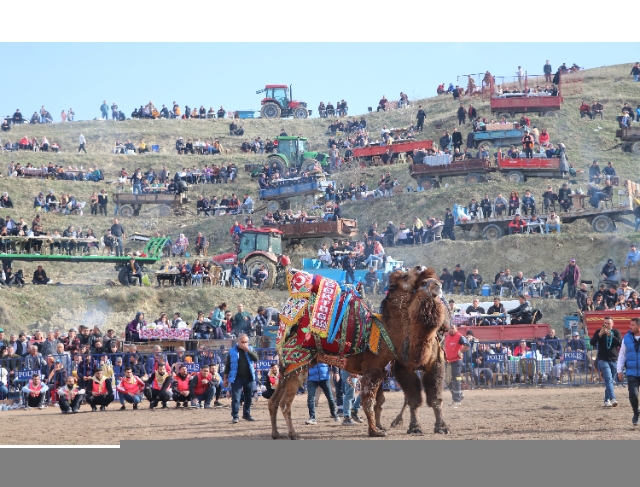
610 272
455 345
571 277
629 361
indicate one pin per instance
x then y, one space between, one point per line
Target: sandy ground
561 413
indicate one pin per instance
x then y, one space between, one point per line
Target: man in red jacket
181 386
99 391
157 385
516 225
130 389
203 387
454 347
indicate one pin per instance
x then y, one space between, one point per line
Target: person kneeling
181 386
130 389
100 392
157 386
70 396
203 387
35 392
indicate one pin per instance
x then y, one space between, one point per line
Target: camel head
427 281
403 281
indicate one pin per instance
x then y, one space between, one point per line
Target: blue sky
82 75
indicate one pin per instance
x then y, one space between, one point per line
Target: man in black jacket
581 296
474 281
521 314
457 139
390 234
608 341
563 197
605 194
458 279
447 281
449 224
349 265
420 117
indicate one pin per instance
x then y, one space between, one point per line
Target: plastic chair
224 277
402 157
155 148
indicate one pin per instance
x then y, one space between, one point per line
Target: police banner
496 357
26 375
574 356
193 368
264 364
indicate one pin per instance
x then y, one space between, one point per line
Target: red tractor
278 102
258 247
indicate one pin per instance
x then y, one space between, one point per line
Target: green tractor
291 152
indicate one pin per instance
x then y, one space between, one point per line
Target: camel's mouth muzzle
432 287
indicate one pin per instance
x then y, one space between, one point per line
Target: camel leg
371 382
412 389
378 408
273 403
399 421
287 401
433 381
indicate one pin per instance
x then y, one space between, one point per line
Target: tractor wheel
164 210
487 143
474 178
254 263
126 211
551 113
270 110
122 277
635 148
427 183
603 224
300 112
311 165
278 162
273 206
492 232
515 177
506 115
326 240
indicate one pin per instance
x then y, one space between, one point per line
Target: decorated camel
320 323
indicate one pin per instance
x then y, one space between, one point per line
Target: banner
299 283
193 367
26 375
263 364
574 355
324 308
496 358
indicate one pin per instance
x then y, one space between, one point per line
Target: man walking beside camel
454 347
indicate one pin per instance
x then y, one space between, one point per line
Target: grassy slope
583 144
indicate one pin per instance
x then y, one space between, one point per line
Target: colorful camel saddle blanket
319 320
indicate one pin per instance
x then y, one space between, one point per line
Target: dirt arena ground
546 414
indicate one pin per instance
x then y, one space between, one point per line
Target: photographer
608 342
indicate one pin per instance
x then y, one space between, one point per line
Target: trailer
518 169
498 137
406 147
594 320
509 95
279 196
131 204
630 137
327 231
430 176
151 254
602 220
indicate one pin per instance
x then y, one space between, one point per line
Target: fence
556 362
21 370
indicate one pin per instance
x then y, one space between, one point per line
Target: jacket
319 372
581 298
631 355
576 274
608 354
233 359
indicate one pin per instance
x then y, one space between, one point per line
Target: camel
411 315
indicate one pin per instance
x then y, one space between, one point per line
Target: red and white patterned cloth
166 334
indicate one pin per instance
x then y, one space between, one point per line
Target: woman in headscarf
180 247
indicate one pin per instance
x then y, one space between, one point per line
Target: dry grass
583 145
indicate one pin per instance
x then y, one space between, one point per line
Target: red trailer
404 146
621 319
511 95
518 169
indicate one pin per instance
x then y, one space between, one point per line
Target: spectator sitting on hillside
382 104
610 272
605 194
523 313
585 110
609 171
595 175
